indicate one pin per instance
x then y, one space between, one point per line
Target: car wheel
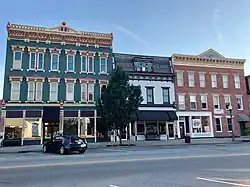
82 151
45 149
62 150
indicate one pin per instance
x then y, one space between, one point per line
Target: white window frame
237 82
17 91
73 57
214 81
86 92
191 79
38 55
220 118
225 80
70 96
218 97
179 76
36 94
227 96
86 63
50 95
241 98
204 95
52 61
30 60
106 65
180 103
91 92
202 82
229 124
31 97
17 64
93 64
190 97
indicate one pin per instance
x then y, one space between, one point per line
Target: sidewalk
179 142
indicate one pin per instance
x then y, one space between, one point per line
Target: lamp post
231 117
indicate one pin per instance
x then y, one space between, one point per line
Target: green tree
119 102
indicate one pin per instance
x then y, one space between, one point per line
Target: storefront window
70 126
13 128
32 128
87 127
140 128
200 124
162 127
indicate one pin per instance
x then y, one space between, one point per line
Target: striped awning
243 118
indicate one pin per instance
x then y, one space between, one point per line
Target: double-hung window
214 80
103 65
84 92
179 76
191 81
225 80
17 60
237 81
32 61
165 95
150 94
239 102
70 63
90 64
229 124
227 101
218 123
35 91
204 102
91 88
70 92
54 62
54 91
216 100
83 63
202 80
193 103
15 91
36 61
181 102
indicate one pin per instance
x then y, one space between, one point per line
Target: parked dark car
65 144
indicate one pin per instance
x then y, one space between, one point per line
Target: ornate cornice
61 34
193 60
151 77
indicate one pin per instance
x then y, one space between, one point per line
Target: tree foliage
119 102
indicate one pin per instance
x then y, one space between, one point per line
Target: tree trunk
120 137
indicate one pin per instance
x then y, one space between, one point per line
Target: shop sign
218 111
196 123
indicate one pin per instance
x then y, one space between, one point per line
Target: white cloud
216 24
131 34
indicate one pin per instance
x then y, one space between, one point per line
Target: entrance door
182 129
49 130
171 130
242 128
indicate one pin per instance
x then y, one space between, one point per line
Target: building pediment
211 53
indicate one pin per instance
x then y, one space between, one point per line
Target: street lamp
231 117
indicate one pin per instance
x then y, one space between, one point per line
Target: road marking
2 159
222 182
111 185
121 160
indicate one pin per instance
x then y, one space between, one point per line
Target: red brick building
207 86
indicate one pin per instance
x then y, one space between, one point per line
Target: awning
243 118
149 115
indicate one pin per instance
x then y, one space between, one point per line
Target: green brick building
53 77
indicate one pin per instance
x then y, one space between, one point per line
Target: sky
150 27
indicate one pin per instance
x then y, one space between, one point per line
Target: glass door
171 131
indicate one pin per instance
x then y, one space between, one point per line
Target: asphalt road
194 166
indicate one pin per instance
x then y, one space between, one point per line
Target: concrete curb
142 145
